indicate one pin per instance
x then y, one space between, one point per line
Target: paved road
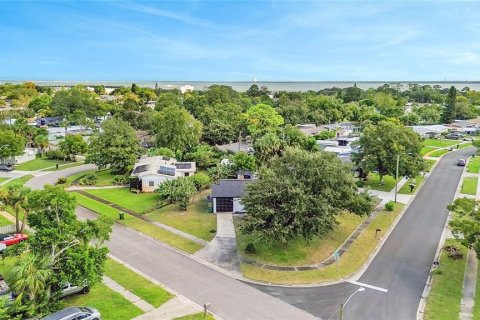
229 298
401 266
52 176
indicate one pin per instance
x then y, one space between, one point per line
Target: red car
9 239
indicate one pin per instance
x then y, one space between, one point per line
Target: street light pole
396 177
342 306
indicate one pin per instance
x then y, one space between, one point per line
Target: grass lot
465 145
443 303
440 143
139 203
469 185
300 252
426 150
68 165
195 221
3 179
139 225
111 304
474 165
438 153
430 163
418 180
132 281
196 316
39 163
21 180
373 182
349 263
4 221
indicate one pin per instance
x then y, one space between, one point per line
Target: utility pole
396 177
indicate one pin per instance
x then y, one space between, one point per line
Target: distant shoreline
244 85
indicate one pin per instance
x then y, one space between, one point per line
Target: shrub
360 183
201 180
88 180
121 180
453 252
436 271
61 180
250 248
389 206
55 155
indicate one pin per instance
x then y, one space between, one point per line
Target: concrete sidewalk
176 307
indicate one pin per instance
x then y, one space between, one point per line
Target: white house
28 154
153 171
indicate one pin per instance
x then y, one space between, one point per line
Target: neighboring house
150 172
28 154
430 131
343 129
310 130
226 195
151 104
49 121
342 147
246 175
236 147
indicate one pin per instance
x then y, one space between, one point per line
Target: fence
8 229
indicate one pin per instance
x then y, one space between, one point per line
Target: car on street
468 139
75 313
11 239
461 162
6 167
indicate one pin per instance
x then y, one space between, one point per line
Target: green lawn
139 225
350 261
440 143
196 316
469 185
474 165
39 163
373 182
405 189
148 291
299 252
68 165
4 221
430 163
3 179
443 302
438 153
139 203
465 145
195 221
111 304
21 180
476 306
426 150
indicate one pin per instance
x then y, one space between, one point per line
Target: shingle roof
229 188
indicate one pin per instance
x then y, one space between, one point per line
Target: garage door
224 204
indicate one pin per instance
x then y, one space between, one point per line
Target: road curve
51 177
401 266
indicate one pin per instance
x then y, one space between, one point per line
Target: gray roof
229 188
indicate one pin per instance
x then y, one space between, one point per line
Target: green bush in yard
61 180
389 206
121 180
88 180
201 180
54 155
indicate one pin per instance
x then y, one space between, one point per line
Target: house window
151 183
187 174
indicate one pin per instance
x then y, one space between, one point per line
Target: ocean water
271 85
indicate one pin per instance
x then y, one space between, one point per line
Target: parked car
461 162
74 313
69 289
454 136
10 239
467 139
6 167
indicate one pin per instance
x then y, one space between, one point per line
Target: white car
74 313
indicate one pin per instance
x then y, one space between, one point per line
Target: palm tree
15 196
30 278
64 124
42 143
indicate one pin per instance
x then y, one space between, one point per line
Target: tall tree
177 129
11 144
466 223
379 146
72 145
262 119
41 142
15 196
116 145
450 107
293 198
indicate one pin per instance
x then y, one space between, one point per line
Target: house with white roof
150 172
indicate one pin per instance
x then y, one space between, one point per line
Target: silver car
69 289
75 313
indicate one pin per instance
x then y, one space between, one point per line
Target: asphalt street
401 266
51 177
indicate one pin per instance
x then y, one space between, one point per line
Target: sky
240 40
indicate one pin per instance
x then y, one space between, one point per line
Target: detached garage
226 194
